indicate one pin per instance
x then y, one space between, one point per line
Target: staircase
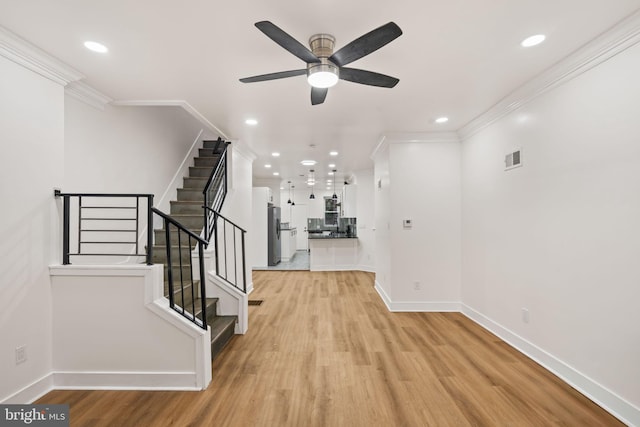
188 211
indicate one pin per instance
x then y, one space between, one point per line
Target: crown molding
405 137
175 103
614 41
87 94
23 53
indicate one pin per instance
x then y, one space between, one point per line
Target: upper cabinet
331 211
349 201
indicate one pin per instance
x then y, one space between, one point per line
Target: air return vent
513 160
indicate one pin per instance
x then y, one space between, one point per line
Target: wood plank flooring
323 350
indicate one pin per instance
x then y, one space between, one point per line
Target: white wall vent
513 160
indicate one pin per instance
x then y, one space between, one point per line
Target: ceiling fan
325 67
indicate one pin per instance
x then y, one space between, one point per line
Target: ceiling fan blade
274 76
366 44
367 77
286 41
318 95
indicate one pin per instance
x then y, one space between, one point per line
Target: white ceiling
456 58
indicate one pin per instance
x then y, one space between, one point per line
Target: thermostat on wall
407 223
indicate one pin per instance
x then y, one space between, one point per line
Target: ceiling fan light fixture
322 75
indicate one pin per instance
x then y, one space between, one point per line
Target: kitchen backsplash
345 225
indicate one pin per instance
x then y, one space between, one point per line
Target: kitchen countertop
320 236
288 229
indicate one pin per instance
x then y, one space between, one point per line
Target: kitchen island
332 252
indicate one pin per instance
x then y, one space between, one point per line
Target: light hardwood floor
323 350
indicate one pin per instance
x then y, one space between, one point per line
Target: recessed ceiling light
276 173
328 188
275 154
96 47
442 119
251 122
330 173
308 162
333 153
267 166
332 165
282 188
533 40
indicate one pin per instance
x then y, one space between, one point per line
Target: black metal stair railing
228 238
229 250
187 293
215 191
105 224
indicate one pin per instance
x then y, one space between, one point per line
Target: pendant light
313 180
289 201
335 196
294 193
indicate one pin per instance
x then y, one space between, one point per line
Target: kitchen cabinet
349 201
289 243
330 211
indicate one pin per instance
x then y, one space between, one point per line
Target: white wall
382 224
560 236
31 165
125 149
365 214
423 270
274 185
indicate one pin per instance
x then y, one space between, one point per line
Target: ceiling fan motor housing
322 47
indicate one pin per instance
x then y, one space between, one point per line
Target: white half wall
113 329
31 165
550 249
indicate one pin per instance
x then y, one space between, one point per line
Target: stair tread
220 324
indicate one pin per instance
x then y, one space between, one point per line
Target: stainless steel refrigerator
273 231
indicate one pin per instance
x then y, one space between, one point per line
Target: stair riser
205 161
186 275
212 307
160 254
200 172
197 183
186 208
187 194
223 339
191 221
160 237
208 152
212 145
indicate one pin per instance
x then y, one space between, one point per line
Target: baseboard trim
32 392
608 400
366 268
186 381
416 306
